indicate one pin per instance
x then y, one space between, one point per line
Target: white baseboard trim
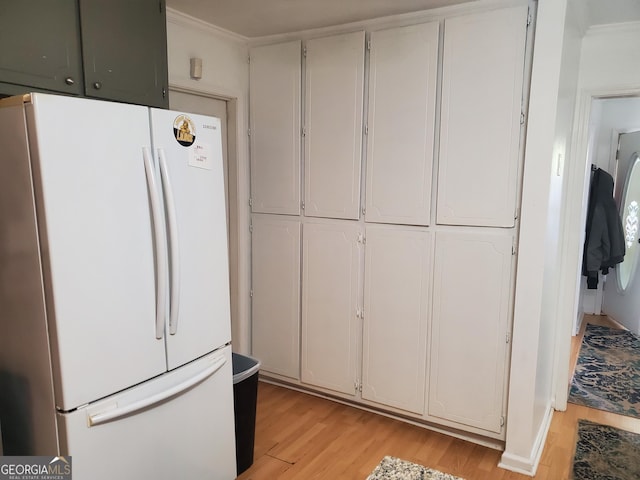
528 465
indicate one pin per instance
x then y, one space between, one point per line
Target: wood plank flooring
303 437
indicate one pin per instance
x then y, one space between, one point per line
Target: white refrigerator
114 293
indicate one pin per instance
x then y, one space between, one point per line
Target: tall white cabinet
470 325
403 67
333 125
482 73
275 128
390 283
275 271
330 298
395 317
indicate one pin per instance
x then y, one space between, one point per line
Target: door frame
235 184
571 236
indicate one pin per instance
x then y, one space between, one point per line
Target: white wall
619 115
225 73
549 123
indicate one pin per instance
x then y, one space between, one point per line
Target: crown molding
182 19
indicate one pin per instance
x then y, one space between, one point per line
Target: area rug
391 468
606 453
607 375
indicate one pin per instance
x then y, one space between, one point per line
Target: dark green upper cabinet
124 48
40 46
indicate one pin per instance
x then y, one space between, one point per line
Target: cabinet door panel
331 262
401 124
275 75
396 299
333 142
471 300
48 54
480 118
276 294
124 47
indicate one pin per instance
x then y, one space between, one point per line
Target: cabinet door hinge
529 17
164 92
521 118
360 313
304 51
251 228
364 211
248 132
366 129
302 204
369 45
508 338
250 202
303 131
251 293
357 385
502 421
362 239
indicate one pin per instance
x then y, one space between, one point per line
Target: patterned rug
607 375
606 453
391 468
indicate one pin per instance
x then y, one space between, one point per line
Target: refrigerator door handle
159 237
174 302
121 411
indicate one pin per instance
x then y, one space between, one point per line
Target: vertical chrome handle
174 303
160 243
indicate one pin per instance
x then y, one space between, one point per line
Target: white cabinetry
331 270
402 98
275 80
471 304
482 77
333 125
276 293
396 299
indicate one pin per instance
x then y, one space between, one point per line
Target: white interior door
397 287
275 302
193 188
93 204
333 124
330 285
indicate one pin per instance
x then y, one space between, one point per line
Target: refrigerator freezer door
187 435
188 149
98 249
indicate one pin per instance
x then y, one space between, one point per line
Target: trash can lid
243 366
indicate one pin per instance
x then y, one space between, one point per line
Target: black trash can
245 395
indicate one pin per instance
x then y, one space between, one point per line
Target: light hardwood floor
303 437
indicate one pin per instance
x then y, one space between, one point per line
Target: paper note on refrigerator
200 156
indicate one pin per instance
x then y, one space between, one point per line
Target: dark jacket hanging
604 241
